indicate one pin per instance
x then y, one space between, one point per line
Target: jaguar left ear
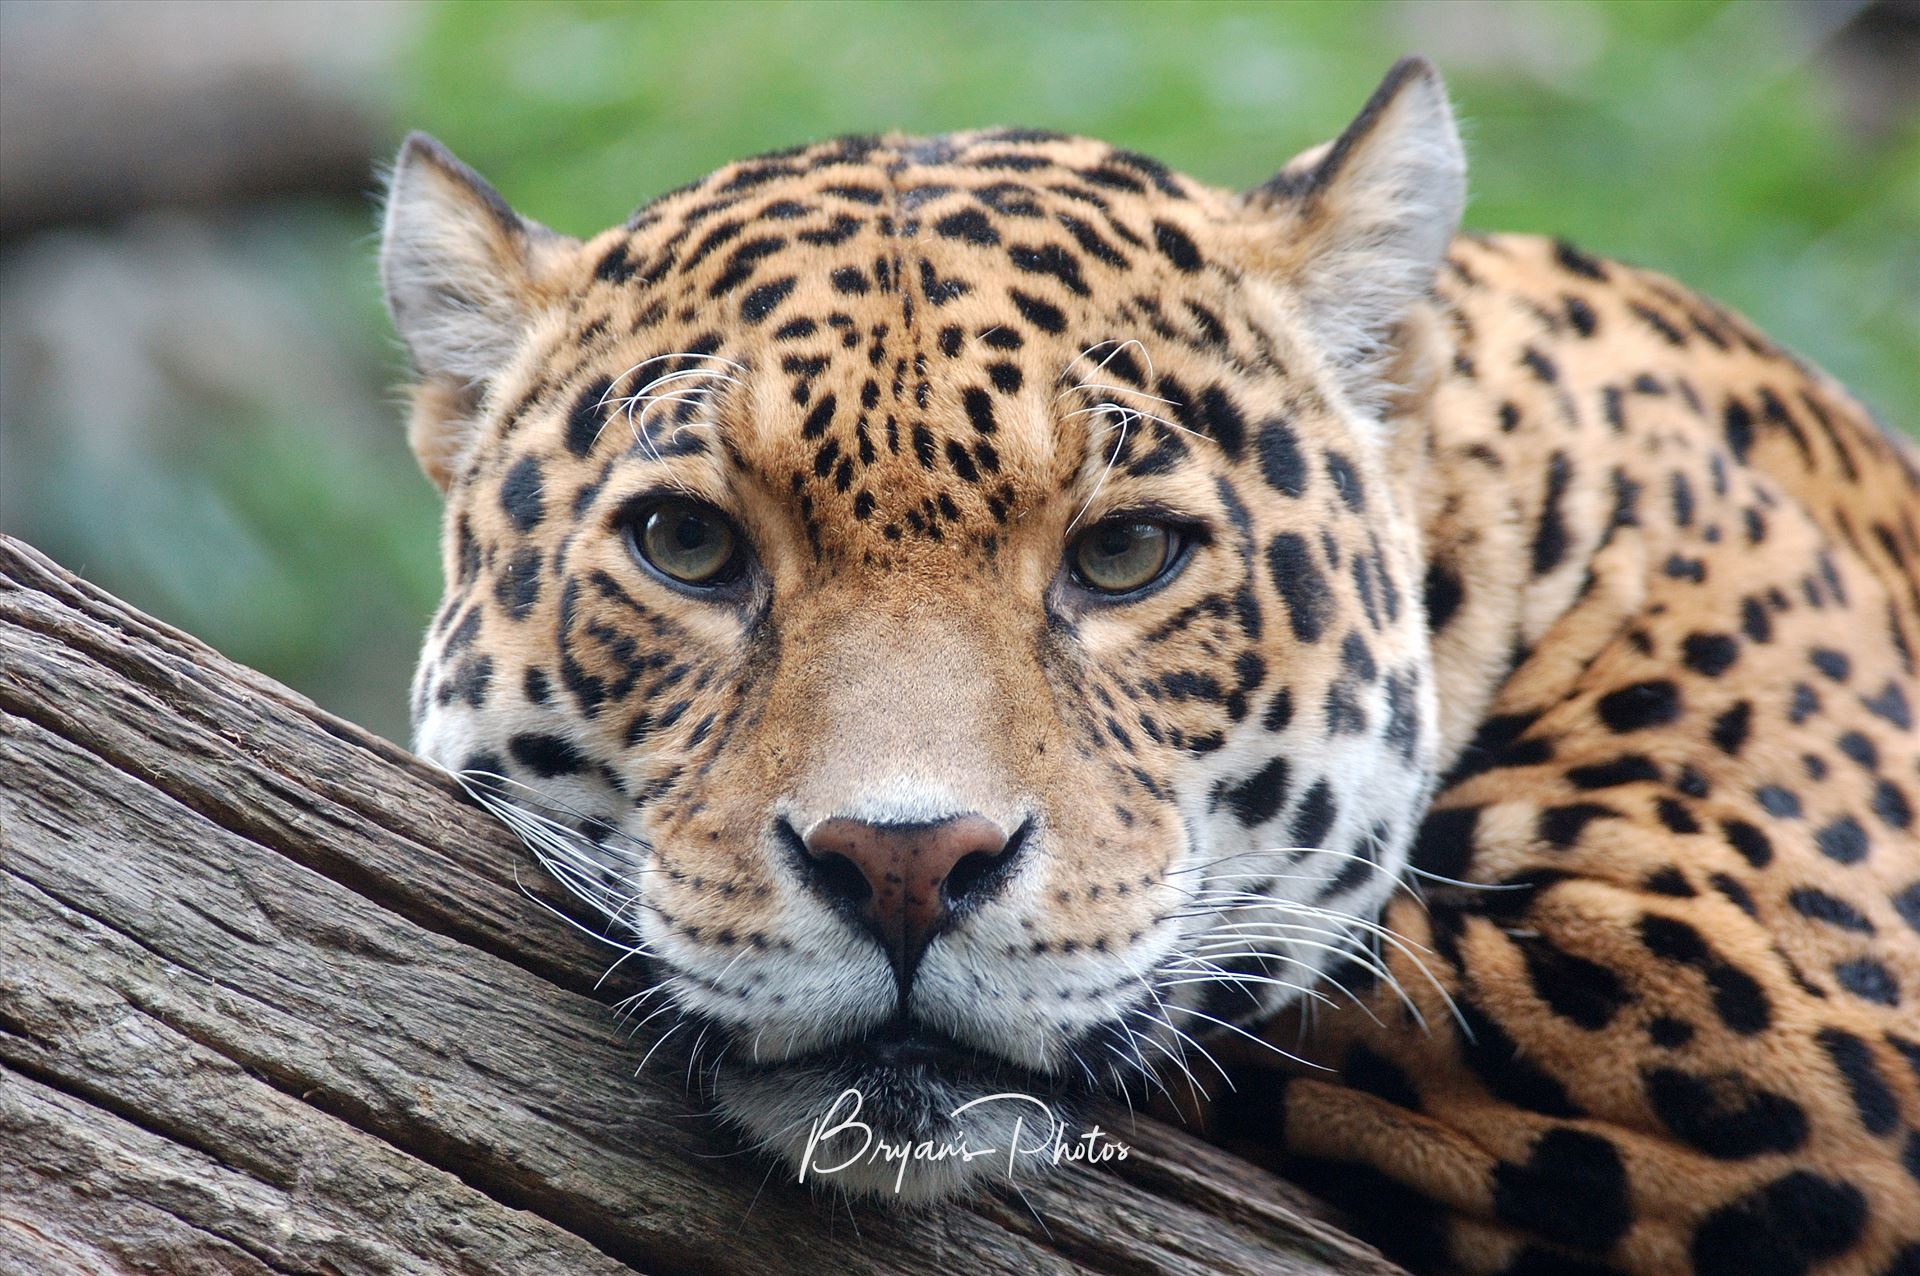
463 276
1363 221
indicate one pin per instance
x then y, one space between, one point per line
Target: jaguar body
989 613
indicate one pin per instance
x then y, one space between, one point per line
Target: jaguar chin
902 1114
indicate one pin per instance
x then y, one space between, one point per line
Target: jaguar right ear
462 274
1359 225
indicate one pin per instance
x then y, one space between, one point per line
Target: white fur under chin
804 1118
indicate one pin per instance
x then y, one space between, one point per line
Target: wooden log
274 998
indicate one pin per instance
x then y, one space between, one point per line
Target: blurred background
197 381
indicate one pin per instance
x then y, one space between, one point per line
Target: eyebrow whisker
691 395
1091 387
1126 418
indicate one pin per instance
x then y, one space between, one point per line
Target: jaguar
988 614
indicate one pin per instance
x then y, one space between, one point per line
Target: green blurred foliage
1702 139
203 421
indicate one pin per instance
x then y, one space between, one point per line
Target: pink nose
905 878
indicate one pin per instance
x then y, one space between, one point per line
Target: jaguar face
951 602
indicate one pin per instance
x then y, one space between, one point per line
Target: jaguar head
951 603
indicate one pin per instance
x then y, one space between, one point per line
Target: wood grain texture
275 999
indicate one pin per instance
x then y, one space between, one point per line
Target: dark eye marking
923 446
979 405
961 462
587 416
520 494
1280 460
1301 584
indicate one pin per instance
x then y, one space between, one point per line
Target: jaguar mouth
903 1064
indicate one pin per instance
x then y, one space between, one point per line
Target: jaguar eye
687 541
1122 555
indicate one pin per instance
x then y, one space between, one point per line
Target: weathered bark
273 998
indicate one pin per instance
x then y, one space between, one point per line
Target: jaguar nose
903 880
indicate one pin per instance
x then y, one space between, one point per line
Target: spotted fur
1525 746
